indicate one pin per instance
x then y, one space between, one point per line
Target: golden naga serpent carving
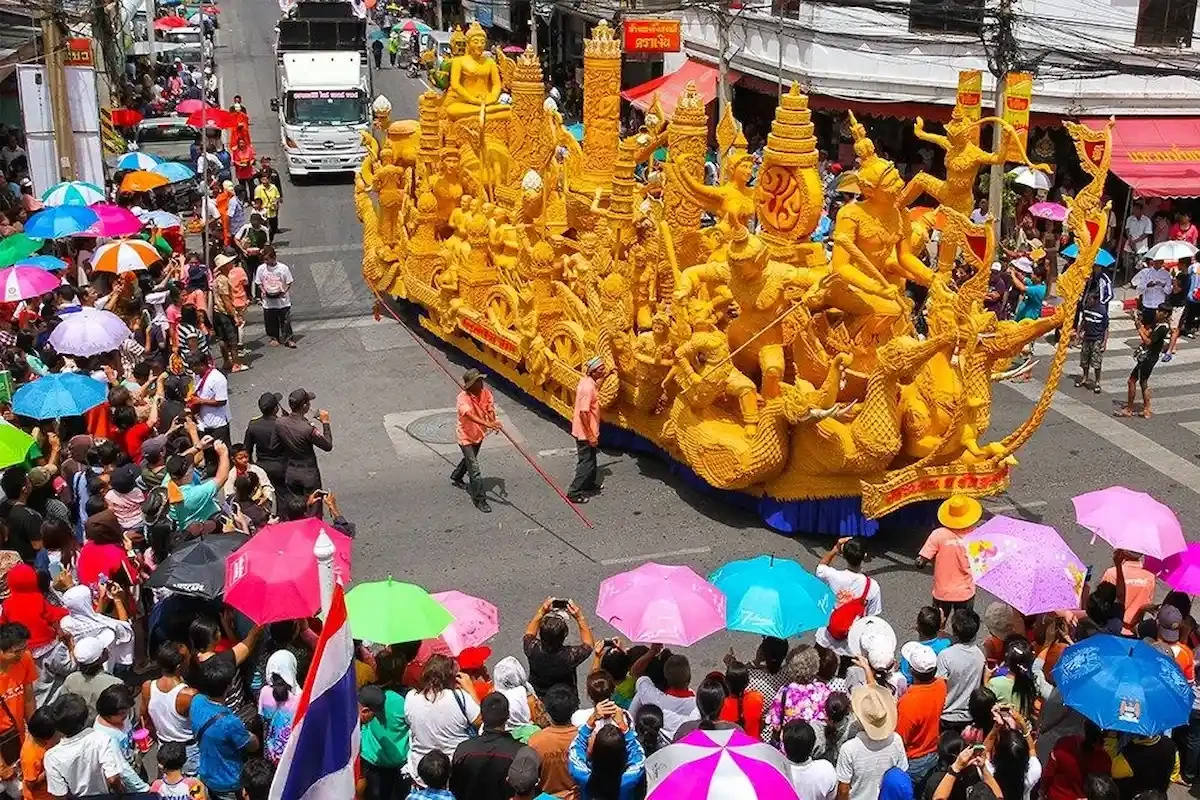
766 362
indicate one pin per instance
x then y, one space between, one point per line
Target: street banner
651 35
79 53
1018 97
970 93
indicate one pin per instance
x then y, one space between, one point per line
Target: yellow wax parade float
743 351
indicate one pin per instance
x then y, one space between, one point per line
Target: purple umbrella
1055 212
1181 571
88 332
1024 564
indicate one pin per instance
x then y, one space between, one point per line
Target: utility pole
1004 61
151 45
533 25
723 24
438 12
53 47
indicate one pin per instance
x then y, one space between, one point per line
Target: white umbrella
88 332
1170 251
1027 176
718 764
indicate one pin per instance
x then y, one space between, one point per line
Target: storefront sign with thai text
651 35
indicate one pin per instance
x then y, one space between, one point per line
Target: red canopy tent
1156 156
670 87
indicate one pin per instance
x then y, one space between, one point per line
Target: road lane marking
687 551
1004 508
333 282
1144 449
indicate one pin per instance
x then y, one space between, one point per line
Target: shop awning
670 87
1156 156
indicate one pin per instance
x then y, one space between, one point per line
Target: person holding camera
551 660
299 441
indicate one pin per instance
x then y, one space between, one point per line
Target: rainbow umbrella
17 247
414 26
59 221
22 283
72 193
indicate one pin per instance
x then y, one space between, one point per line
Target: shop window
1165 23
946 16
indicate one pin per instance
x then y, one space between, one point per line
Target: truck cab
323 88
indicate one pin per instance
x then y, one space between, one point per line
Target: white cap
875 639
919 656
90 649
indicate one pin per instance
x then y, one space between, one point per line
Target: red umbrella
213 118
189 106
125 117
274 576
167 23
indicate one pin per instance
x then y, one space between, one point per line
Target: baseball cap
269 401
90 649
474 657
875 639
154 447
525 771
40 476
919 656
299 397
1169 622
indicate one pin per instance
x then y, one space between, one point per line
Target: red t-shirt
1068 766
752 713
131 441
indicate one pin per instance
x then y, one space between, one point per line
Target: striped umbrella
126 255
22 283
138 161
72 193
59 221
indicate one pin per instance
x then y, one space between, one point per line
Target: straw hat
959 512
875 709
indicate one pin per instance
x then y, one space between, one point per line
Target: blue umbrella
576 131
48 263
138 160
174 171
772 597
1103 257
65 394
824 226
1124 685
60 221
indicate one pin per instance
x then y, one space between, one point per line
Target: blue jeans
919 769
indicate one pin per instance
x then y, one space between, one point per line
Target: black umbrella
198 567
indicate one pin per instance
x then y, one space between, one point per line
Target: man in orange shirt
1170 622
953 583
919 712
1139 583
476 416
585 427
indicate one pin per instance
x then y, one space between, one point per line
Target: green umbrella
16 247
390 612
14 445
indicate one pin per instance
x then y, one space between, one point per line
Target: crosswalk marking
1176 404
1163 378
1194 427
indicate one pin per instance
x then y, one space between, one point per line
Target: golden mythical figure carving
741 348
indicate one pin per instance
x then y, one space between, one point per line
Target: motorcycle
414 67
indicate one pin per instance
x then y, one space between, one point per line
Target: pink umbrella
273 577
1055 212
724 764
475 621
514 49
113 220
188 106
1024 564
1181 571
22 283
662 604
1130 520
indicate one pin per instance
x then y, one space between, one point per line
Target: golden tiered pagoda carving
743 349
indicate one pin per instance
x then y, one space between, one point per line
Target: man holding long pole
476 417
585 427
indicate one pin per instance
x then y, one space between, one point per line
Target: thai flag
318 761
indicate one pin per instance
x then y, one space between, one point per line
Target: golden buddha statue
475 82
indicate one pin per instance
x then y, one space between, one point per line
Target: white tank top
170 724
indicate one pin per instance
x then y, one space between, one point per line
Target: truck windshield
338 106
166 133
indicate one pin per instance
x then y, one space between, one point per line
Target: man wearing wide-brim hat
865 759
585 427
476 417
953 583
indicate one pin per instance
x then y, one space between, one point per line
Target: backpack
197 277
272 283
844 615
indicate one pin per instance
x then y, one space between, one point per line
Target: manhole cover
434 428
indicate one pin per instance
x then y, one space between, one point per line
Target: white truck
323 88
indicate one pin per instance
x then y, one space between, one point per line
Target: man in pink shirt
585 427
1139 585
476 416
953 583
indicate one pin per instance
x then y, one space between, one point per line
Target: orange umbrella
124 255
920 212
141 180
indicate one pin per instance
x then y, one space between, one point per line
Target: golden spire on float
458 41
603 43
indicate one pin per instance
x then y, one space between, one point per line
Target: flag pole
323 551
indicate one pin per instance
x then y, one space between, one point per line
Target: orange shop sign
79 53
652 35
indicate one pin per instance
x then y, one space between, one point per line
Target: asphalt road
393 431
